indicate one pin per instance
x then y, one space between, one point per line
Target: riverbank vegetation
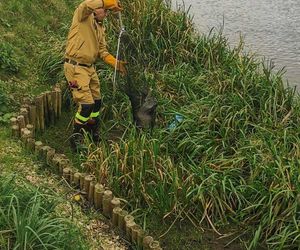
232 162
28 219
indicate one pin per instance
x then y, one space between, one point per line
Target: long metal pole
122 30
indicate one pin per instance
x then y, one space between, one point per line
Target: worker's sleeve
103 52
87 7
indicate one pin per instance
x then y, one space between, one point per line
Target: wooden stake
59 102
129 225
15 131
26 105
51 113
107 197
37 147
45 105
56 161
49 156
30 144
76 180
121 221
31 129
147 241
135 230
154 245
13 121
86 184
44 151
66 174
38 101
21 121
71 174
91 192
40 112
24 112
98 195
22 131
115 215
81 180
62 163
26 101
25 135
140 237
32 116
54 103
115 202
128 217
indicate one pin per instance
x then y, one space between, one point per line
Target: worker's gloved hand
112 5
111 60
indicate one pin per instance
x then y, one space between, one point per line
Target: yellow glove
110 60
112 5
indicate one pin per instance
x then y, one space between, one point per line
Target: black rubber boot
77 138
94 127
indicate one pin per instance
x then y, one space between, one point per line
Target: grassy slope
28 30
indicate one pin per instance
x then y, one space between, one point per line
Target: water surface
271 28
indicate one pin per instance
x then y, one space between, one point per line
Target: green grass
30 30
28 221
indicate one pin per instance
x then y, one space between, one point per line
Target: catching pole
122 30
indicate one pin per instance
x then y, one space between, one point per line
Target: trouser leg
95 115
94 121
84 112
80 126
79 79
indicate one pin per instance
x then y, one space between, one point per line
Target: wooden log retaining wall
34 117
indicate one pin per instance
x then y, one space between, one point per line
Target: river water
271 28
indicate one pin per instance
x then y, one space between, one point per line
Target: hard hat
112 5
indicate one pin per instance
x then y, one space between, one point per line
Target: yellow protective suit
86 42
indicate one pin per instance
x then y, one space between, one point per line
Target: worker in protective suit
86 42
